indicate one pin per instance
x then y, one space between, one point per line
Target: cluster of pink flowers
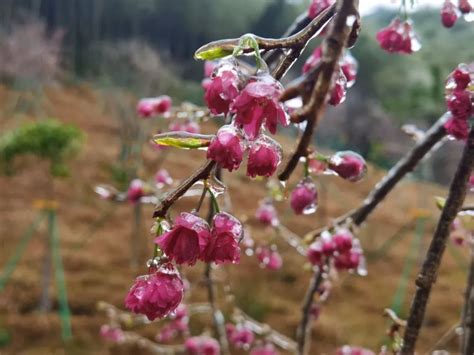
112 334
344 76
267 214
179 324
340 248
459 100
192 239
269 257
254 103
318 6
202 345
398 37
156 294
451 12
151 106
240 335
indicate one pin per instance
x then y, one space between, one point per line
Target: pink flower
348 165
154 105
461 78
135 190
227 148
339 88
315 253
240 336
112 334
460 104
342 241
264 157
166 334
258 105
348 261
267 214
162 177
449 14
267 349
209 67
349 66
316 166
313 60
163 104
471 182
187 240
201 345
464 6
303 199
318 6
223 245
457 128
222 91
206 83
398 37
269 258
156 295
191 127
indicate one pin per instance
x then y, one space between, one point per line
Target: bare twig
404 166
303 331
427 276
468 312
202 173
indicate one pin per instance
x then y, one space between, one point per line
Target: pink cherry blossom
162 177
458 79
449 14
313 60
227 148
460 104
338 91
304 197
464 6
266 349
209 67
348 165
136 190
349 67
348 260
267 214
318 6
342 240
186 241
154 105
240 336
222 91
202 345
398 37
269 258
257 105
223 245
157 294
315 253
264 157
163 104
457 128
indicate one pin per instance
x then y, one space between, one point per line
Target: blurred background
87 62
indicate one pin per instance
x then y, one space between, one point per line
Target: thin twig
313 110
303 331
427 276
468 312
404 166
202 173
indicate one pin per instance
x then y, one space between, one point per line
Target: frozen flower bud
398 37
136 190
223 245
348 261
464 6
201 345
349 66
258 105
315 253
267 214
304 197
186 241
240 336
348 165
338 91
112 334
460 104
222 90
461 78
342 241
162 178
266 349
264 157
457 128
146 107
157 294
227 148
318 6
163 104
313 60
269 258
449 14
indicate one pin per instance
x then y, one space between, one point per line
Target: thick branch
332 48
468 312
427 276
404 166
303 331
202 173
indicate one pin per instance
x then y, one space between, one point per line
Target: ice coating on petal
348 165
227 148
264 157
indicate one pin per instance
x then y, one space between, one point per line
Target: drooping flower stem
303 333
467 343
427 276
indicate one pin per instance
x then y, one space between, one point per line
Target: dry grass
97 264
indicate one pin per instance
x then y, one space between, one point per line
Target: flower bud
449 14
264 157
348 165
227 148
304 197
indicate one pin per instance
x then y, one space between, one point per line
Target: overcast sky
367 6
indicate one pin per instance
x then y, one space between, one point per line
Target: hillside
96 260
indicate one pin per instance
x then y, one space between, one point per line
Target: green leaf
212 53
440 202
182 140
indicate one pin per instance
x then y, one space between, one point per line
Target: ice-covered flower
304 197
267 214
269 258
460 104
240 336
150 106
348 165
318 6
398 37
457 128
136 190
223 245
222 90
264 157
449 14
227 148
201 345
162 178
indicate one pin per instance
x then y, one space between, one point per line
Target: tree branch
314 108
404 166
427 276
468 312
